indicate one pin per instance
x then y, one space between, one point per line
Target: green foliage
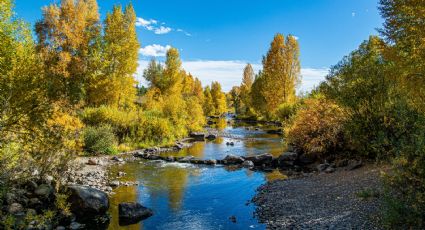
285 111
121 121
99 140
367 193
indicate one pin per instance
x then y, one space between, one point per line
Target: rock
170 159
117 159
232 219
186 159
197 136
132 213
322 167
179 146
233 160
35 203
87 202
121 174
330 169
341 163
31 185
15 208
210 162
288 156
31 212
265 158
44 191
75 226
248 164
354 164
92 162
212 137
60 228
114 183
230 143
153 150
153 157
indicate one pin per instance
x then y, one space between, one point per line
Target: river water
185 196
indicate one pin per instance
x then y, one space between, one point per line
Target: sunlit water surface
186 196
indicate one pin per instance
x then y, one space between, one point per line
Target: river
186 196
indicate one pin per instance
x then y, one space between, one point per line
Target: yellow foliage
317 128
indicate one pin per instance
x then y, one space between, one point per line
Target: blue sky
216 38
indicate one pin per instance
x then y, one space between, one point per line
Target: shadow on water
185 196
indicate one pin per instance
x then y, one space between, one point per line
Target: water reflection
185 196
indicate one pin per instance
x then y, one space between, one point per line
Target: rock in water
261 159
132 213
197 136
232 160
87 202
248 164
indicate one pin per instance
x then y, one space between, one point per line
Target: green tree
245 88
208 105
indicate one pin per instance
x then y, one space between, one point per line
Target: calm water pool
185 196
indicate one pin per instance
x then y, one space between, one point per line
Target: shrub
99 140
318 128
121 121
285 111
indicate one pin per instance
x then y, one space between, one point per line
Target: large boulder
261 159
287 159
132 213
197 136
232 160
87 202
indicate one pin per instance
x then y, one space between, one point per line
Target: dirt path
321 201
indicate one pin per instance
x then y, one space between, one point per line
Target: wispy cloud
157 27
154 50
229 73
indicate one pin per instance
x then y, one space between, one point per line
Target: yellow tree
208 102
67 37
121 55
219 98
281 72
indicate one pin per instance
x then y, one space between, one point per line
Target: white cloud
157 27
162 30
229 73
154 50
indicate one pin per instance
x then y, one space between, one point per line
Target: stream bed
186 196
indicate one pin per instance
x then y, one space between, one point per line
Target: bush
285 111
121 121
318 128
99 140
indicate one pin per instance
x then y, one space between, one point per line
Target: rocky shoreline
345 199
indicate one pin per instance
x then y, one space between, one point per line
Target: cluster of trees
73 90
266 94
371 105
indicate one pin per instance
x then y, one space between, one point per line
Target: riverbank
341 200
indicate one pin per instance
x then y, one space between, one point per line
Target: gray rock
248 164
87 202
75 226
15 208
44 191
117 159
10 198
322 167
132 213
60 228
186 159
265 158
330 169
233 160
